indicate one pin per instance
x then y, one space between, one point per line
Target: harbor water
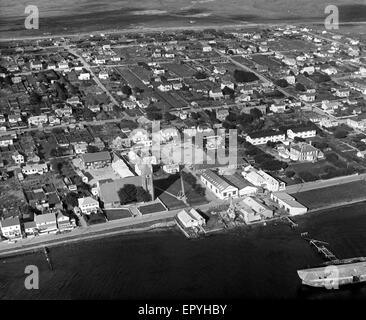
258 262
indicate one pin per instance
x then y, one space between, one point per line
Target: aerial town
77 130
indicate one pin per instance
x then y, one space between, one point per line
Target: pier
45 251
291 222
321 248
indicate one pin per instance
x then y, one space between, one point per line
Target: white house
30 228
262 137
81 148
248 214
6 141
84 76
308 97
128 104
10 228
88 205
171 168
260 178
278 108
309 70
220 187
301 132
342 92
190 219
63 222
329 106
165 87
37 120
18 158
36 168
46 223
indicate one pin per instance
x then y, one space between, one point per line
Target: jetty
292 223
45 251
321 248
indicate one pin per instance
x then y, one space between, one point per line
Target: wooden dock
292 223
321 248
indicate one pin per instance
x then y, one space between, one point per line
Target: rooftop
215 180
13 221
95 157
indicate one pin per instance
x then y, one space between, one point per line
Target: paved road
89 69
324 183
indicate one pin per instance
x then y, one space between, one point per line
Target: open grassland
343 193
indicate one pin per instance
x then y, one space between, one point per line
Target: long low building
190 219
262 137
220 187
258 207
285 201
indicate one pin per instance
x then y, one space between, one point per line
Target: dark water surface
258 262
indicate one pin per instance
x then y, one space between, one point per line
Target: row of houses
262 137
13 227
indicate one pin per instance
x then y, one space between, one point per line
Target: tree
71 199
142 195
299 139
282 83
228 91
126 90
244 76
35 98
199 75
270 144
307 176
153 113
128 194
92 149
340 133
256 113
290 173
273 165
332 157
300 87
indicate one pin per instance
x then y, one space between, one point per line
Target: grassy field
318 198
151 208
117 214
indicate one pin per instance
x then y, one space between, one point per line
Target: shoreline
155 226
32 248
152 29
337 205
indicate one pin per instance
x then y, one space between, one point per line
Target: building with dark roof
96 160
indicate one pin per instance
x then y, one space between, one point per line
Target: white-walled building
288 203
258 207
35 168
263 137
38 120
46 223
262 179
190 219
217 185
301 132
88 205
10 228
